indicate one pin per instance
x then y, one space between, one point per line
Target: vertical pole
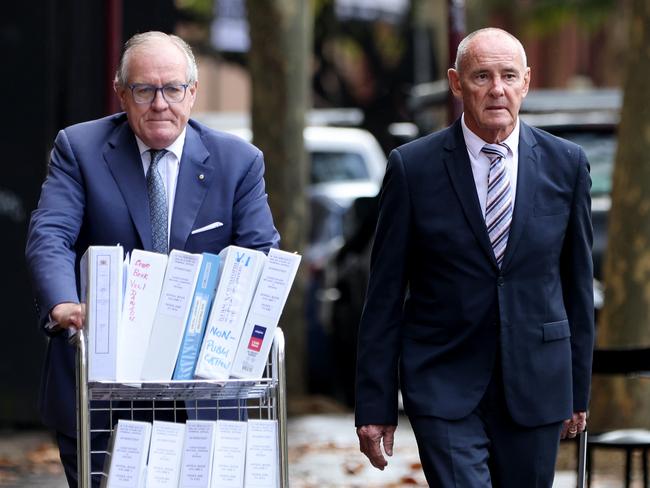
582 459
279 374
113 46
422 65
83 414
457 27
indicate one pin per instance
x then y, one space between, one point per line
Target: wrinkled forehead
493 48
158 48
156 57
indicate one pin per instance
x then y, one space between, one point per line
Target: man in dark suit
480 303
96 193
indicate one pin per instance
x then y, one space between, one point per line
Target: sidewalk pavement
323 453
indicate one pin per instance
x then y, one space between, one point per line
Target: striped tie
157 203
498 209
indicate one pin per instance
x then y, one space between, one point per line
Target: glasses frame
157 89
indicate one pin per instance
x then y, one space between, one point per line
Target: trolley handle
83 410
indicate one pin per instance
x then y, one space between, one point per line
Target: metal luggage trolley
264 398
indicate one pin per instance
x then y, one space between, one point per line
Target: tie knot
156 155
495 151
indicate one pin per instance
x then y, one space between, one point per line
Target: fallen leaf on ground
43 454
409 480
354 468
6 462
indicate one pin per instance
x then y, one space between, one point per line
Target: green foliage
544 17
200 11
547 16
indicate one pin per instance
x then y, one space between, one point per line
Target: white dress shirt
168 170
481 164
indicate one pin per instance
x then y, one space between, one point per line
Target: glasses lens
174 93
143 93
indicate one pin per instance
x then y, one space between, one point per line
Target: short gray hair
461 52
122 73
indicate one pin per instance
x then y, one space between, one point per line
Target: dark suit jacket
438 306
95 194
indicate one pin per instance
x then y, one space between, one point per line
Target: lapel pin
201 177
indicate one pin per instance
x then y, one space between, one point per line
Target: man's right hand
69 314
370 440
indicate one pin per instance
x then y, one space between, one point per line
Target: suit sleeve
252 220
577 285
379 331
53 230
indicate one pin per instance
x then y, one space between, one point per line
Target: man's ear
454 82
120 91
526 82
192 90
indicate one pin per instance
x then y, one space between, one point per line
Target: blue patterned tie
498 209
157 203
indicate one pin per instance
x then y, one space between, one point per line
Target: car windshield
327 167
600 148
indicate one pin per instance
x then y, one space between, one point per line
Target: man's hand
370 440
69 314
573 426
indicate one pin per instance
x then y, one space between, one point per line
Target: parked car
587 118
346 164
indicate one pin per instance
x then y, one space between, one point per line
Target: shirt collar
175 147
474 143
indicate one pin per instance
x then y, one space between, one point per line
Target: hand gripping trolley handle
264 398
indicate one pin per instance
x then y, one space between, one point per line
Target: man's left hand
573 426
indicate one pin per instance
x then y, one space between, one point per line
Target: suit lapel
123 159
462 179
526 187
194 179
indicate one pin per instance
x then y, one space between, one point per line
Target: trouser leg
68 455
487 448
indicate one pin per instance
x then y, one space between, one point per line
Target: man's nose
496 87
159 102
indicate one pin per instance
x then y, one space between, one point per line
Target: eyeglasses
143 93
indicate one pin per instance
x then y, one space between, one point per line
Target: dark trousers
487 448
68 454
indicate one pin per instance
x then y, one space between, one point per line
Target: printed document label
257 338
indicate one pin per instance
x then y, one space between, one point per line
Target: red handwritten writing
137 284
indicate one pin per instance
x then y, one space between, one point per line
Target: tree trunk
625 320
280 33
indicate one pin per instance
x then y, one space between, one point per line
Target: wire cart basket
264 398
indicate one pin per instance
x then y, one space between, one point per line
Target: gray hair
461 52
122 73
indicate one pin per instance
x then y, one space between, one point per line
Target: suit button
500 281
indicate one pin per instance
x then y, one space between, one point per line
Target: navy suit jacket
95 194
439 311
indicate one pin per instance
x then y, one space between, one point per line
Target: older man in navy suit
480 305
96 193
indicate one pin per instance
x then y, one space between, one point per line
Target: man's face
158 62
492 81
